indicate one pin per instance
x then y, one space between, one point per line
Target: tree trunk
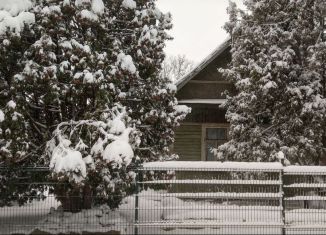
75 201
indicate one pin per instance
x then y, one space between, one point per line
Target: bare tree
176 67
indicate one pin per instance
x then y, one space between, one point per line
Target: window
214 137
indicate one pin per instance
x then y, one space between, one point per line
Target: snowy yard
159 215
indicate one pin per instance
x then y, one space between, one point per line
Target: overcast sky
197 29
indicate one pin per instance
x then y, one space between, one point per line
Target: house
202 89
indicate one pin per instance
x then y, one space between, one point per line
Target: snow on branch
78 146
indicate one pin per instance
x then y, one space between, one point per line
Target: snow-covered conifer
93 103
15 145
150 96
279 105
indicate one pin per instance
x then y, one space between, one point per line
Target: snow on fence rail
213 166
304 170
198 181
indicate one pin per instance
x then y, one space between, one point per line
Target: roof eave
219 50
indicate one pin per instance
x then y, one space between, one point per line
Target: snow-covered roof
219 50
202 101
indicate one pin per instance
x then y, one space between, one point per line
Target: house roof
219 50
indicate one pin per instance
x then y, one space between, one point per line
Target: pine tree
15 146
317 58
150 96
67 88
279 105
91 96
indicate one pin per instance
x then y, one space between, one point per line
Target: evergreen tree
16 37
317 58
67 88
94 105
150 96
279 105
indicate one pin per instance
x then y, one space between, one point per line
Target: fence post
282 202
136 203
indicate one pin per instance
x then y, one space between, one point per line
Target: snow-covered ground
178 217
23 219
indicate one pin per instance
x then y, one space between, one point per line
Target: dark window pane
216 133
221 133
210 134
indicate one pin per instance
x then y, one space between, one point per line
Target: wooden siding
206 113
188 142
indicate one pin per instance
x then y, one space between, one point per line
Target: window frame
205 126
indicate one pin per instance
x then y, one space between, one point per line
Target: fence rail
191 198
